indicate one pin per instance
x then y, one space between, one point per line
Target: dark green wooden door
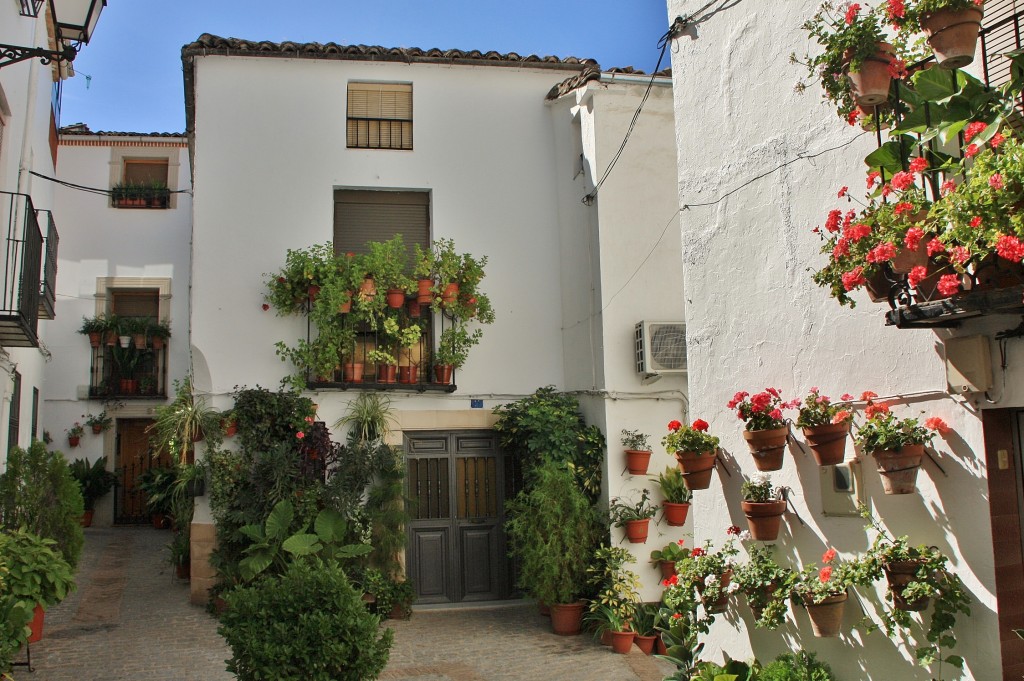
456 538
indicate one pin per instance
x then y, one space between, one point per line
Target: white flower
745 535
710 580
761 478
732 588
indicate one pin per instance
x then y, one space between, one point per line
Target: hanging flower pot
124 341
667 567
767 447
675 514
352 372
313 291
566 618
86 518
899 574
764 518
637 461
112 338
408 374
828 443
450 294
36 625
73 440
97 429
424 294
870 85
906 259
158 343
697 468
414 308
94 338
139 339
720 604
368 289
827 616
636 530
899 468
395 298
622 641
952 35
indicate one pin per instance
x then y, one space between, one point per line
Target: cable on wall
94 190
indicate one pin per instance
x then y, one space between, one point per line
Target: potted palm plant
95 480
676 505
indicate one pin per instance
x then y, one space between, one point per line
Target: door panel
134 457
456 481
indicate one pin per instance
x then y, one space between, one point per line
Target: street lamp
74 21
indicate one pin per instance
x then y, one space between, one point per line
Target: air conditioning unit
660 348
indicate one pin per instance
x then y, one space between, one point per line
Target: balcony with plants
140 195
939 234
384 319
128 356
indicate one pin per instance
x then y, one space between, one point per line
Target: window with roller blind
145 171
361 216
379 116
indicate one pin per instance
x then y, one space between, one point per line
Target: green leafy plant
387 262
759 489
36 569
672 552
288 288
931 580
97 324
798 666
694 438
681 627
673 486
274 543
819 410
705 569
910 11
183 422
733 670
634 439
553 529
101 420
157 484
624 510
94 479
813 585
76 430
308 624
161 329
763 410
882 431
39 494
616 587
766 585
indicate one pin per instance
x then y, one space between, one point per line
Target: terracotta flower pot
622 641
637 461
636 530
720 604
346 307
112 338
313 291
697 468
139 339
97 429
86 519
828 443
443 373
667 567
94 338
827 616
352 372
899 574
645 643
767 447
878 286
906 259
36 625
450 294
764 518
73 440
408 374
952 35
566 618
423 293
367 289
414 308
158 343
230 428
675 514
899 468
870 85
386 373
395 298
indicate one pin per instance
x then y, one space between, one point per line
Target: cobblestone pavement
130 620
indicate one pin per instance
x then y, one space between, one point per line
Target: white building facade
755 318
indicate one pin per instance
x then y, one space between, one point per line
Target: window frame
378 122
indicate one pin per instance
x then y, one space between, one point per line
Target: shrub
309 624
799 666
38 493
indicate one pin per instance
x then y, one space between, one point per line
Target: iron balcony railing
48 285
23 256
1003 32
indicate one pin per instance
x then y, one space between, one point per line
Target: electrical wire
93 190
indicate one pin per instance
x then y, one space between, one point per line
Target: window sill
389 387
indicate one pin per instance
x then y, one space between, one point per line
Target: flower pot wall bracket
784 493
928 452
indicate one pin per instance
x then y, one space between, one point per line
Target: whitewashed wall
623 266
99 241
755 319
482 148
25 110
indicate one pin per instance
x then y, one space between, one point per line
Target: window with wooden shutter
141 303
145 171
379 116
361 216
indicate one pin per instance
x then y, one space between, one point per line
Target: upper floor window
379 116
143 184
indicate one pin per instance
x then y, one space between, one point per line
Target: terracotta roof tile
594 73
83 129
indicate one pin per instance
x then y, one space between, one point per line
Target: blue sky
134 59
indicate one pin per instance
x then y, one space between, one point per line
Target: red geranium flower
701 425
996 140
265 307
733 530
854 278
971 150
828 556
872 176
996 181
1010 248
949 284
935 246
698 552
976 221
948 186
842 191
897 69
973 129
851 13
918 274
937 424
919 165
913 238
868 395
825 573
300 435
674 425
902 180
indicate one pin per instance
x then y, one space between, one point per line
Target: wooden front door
457 549
134 457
